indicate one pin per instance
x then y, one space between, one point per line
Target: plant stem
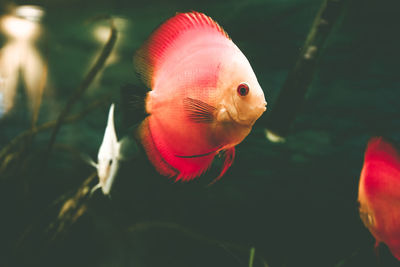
84 85
251 259
293 91
48 125
145 226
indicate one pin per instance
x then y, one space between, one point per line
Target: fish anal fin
229 157
186 176
199 111
198 155
146 138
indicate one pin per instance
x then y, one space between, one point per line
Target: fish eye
243 89
110 162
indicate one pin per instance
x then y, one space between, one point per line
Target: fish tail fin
132 104
229 157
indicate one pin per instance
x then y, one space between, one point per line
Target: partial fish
204 96
108 157
379 193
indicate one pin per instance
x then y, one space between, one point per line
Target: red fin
153 51
376 250
229 157
153 154
380 149
204 162
198 155
193 166
380 176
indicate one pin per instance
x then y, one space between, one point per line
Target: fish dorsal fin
380 175
109 146
379 149
149 57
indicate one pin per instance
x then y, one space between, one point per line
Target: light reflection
274 138
1 104
19 28
102 32
32 13
20 56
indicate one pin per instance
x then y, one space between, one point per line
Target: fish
108 157
379 193
204 96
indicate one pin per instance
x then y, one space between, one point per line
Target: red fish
204 96
379 193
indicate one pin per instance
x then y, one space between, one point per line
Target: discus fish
108 157
204 96
379 193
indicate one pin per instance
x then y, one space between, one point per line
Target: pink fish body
379 193
204 95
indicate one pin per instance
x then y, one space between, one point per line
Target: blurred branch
40 230
42 85
251 259
24 139
98 65
76 153
145 226
292 94
345 260
72 209
6 156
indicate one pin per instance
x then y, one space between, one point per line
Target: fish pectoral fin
88 160
229 155
97 186
199 111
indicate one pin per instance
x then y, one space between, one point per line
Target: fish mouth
264 107
257 111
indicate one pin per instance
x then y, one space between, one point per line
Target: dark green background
295 202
